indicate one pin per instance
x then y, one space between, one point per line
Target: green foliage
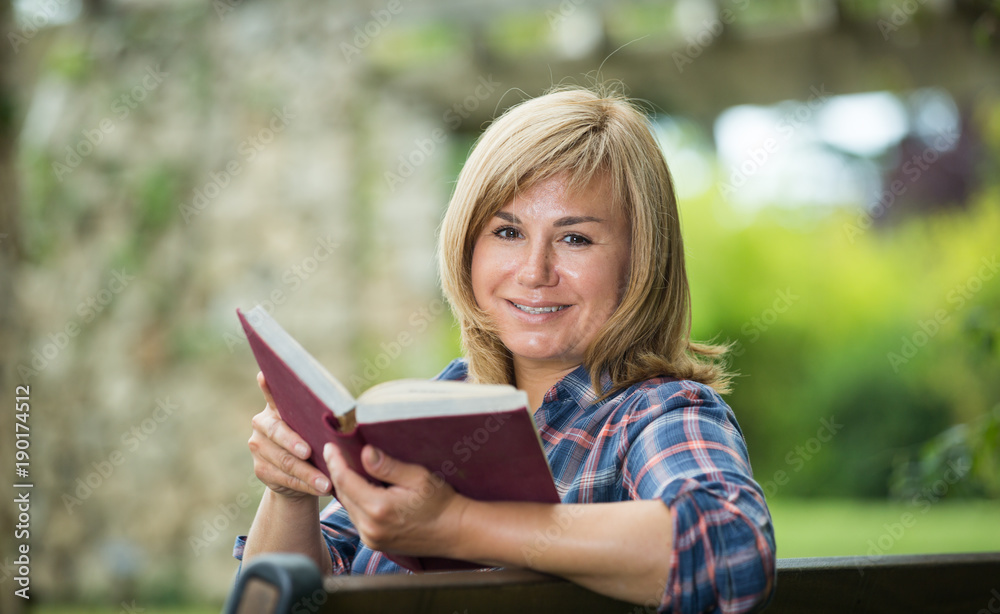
70 59
156 201
890 333
518 34
38 205
74 608
151 200
965 457
407 45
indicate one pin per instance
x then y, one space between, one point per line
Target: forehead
556 197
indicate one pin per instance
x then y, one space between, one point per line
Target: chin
540 351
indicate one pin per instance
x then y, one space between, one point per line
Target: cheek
480 274
612 280
624 272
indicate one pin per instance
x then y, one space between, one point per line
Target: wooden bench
938 584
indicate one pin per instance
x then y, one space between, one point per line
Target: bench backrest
291 584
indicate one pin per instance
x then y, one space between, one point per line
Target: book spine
349 444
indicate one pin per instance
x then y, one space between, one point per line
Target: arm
288 524
695 536
602 546
619 549
691 455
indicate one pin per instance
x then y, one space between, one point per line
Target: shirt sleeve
342 539
688 451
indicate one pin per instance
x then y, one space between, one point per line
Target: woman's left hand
418 513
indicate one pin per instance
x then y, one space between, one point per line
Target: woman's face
550 268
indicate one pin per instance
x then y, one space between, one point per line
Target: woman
562 259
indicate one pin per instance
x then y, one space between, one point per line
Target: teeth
537 310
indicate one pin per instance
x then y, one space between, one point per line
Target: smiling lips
538 310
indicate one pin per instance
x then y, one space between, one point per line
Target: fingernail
322 484
375 455
327 452
301 450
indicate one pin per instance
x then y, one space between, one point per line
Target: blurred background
163 163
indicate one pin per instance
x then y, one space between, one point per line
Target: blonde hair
581 134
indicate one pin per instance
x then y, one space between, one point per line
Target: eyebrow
569 220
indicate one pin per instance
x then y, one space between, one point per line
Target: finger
289 438
383 467
262 384
280 467
345 479
285 484
270 424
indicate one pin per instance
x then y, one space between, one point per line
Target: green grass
139 609
806 528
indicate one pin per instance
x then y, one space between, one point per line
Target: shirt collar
576 386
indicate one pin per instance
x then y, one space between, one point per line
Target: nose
537 267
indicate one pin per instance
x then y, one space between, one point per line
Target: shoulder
457 370
663 394
667 402
681 429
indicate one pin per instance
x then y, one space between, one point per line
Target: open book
479 438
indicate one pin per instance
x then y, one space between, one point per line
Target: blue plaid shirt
676 441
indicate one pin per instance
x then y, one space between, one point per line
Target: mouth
538 310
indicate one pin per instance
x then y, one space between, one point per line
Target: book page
415 398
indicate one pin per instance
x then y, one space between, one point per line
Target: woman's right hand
279 454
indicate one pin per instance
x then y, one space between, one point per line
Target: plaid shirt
676 441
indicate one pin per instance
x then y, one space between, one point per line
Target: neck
537 378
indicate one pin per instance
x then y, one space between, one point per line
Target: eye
506 233
574 239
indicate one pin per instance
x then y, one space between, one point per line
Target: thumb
383 467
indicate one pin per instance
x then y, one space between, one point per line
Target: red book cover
300 406
492 454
